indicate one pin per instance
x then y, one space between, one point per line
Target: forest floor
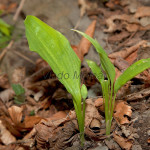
36 111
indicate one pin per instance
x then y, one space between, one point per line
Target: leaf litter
56 127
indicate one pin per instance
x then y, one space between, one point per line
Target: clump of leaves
54 48
5 33
110 87
19 97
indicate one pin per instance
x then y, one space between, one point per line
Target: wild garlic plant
110 87
54 48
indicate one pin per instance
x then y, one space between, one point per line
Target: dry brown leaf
40 63
85 44
91 113
132 57
121 112
29 122
4 82
98 102
95 124
142 11
131 27
121 64
8 8
6 95
15 113
118 37
136 27
112 26
75 48
148 141
123 142
126 52
138 95
86 5
112 3
5 136
18 75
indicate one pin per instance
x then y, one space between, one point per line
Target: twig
18 10
26 58
6 49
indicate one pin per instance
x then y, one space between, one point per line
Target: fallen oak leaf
126 52
143 11
6 137
132 57
16 114
84 44
123 142
111 24
122 112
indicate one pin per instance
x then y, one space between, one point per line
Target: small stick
18 10
26 58
6 49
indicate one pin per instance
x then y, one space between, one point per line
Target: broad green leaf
106 63
53 47
96 70
131 72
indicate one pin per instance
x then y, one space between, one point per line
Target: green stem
79 114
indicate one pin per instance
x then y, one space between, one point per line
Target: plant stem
79 114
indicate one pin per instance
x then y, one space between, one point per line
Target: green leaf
131 72
18 89
20 99
53 47
96 70
84 92
105 62
4 27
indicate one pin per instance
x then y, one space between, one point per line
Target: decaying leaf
112 26
123 142
16 114
40 63
126 52
121 64
18 75
6 137
118 37
132 57
4 82
86 5
91 113
122 112
85 44
142 11
148 141
49 133
6 95
138 95
98 102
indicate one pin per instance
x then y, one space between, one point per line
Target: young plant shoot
54 48
110 87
